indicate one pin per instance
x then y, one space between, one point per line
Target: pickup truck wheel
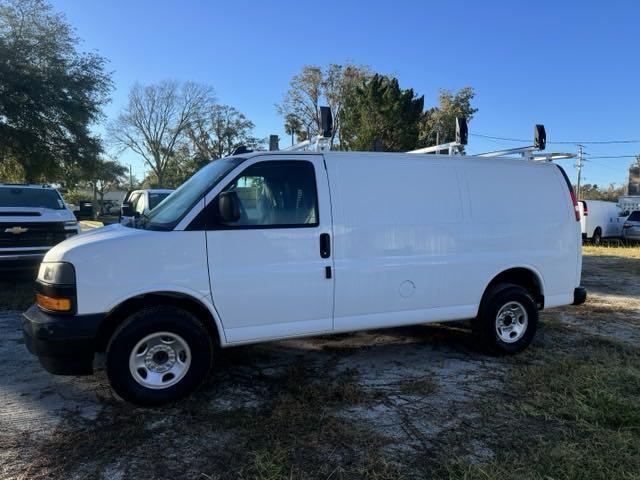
508 319
158 355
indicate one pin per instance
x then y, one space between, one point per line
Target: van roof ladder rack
322 141
453 148
529 153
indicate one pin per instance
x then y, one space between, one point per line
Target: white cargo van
600 220
273 245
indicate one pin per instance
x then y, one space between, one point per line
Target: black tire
485 325
597 237
147 322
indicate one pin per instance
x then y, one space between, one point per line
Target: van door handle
325 245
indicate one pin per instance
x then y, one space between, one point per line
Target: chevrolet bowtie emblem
16 230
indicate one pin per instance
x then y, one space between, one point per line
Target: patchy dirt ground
399 403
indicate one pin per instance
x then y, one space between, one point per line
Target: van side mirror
126 210
229 207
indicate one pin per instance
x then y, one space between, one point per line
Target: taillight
585 209
576 208
574 200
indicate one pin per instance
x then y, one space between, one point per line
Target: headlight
57 273
71 227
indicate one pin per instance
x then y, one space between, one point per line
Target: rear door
271 271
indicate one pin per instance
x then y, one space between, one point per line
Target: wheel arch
524 276
124 309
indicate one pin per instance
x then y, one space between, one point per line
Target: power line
586 142
612 156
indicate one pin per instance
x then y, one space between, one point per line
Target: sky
571 65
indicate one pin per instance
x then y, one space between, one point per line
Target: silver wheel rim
511 322
160 360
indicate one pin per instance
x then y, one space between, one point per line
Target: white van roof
417 156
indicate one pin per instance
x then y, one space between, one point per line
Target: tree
292 126
594 192
439 123
379 110
154 122
51 92
217 130
108 176
313 87
103 176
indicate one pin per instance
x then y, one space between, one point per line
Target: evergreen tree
380 111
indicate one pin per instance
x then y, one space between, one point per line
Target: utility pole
579 169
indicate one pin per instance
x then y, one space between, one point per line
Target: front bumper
631 237
579 296
64 344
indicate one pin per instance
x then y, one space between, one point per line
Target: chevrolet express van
600 220
272 245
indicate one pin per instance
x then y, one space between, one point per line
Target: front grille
41 234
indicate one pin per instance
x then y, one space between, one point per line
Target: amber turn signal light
53 304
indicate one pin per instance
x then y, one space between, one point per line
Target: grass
570 410
612 248
295 435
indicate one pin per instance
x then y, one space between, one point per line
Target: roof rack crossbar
451 148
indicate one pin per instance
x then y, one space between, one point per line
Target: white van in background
270 245
137 203
599 219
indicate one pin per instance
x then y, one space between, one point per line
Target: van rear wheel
507 320
158 355
597 237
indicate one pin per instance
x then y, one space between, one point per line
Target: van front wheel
508 319
158 355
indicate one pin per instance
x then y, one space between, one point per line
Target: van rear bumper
579 296
64 344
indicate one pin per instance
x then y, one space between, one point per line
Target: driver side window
276 194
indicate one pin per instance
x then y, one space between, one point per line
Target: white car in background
33 218
138 203
599 219
631 227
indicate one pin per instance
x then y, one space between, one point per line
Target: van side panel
418 239
396 240
522 217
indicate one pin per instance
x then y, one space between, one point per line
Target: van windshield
170 211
